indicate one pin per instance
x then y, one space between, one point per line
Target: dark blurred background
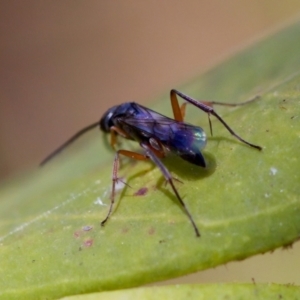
64 62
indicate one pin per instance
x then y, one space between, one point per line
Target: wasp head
106 122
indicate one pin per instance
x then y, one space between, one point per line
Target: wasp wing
181 138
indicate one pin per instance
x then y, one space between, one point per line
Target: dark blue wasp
157 135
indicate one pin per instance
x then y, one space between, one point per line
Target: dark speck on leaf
87 228
151 231
125 230
76 234
141 192
88 243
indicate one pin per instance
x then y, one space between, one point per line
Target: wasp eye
106 121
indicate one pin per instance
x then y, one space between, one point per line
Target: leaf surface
200 292
245 202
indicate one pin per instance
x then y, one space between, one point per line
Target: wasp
157 135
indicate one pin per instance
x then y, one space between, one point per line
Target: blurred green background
64 62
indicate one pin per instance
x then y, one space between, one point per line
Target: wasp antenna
68 142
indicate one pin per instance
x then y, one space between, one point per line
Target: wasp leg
114 131
178 112
210 111
115 178
150 154
183 109
211 103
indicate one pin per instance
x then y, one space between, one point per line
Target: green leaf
245 202
199 292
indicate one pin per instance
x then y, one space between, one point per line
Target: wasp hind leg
152 155
207 108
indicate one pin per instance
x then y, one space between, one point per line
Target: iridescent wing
181 138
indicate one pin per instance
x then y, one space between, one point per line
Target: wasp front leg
114 132
115 177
